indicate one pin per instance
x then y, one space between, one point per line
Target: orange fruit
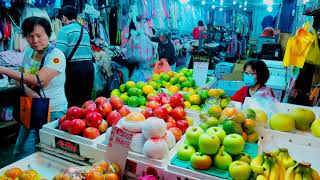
114 168
253 137
195 99
173 89
147 89
104 165
244 135
111 176
248 125
98 169
13 173
230 112
93 175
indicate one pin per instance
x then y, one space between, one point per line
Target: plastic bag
314 52
161 66
298 47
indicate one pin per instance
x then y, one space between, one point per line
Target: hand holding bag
34 112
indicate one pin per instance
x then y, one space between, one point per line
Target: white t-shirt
55 60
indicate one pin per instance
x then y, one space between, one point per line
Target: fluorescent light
203 2
213 6
234 2
221 9
240 6
184 1
244 8
268 2
245 3
269 9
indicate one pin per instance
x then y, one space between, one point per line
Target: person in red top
255 76
196 31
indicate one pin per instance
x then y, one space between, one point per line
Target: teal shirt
67 39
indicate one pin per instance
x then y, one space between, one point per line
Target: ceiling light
184 1
213 6
234 2
240 6
244 8
203 2
269 9
245 3
221 9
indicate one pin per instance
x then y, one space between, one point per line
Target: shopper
197 30
255 76
51 73
74 42
166 48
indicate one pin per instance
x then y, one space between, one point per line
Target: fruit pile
279 165
88 120
99 171
151 136
211 148
17 173
171 110
299 118
232 121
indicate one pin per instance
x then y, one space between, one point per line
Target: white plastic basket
301 148
46 165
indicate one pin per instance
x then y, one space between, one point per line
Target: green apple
200 161
204 116
212 121
215 111
233 144
185 152
249 113
315 128
240 170
204 126
303 118
209 143
192 135
243 157
282 122
231 127
218 131
222 159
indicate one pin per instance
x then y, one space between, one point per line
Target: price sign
200 68
67 145
118 147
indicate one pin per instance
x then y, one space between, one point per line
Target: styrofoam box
85 150
46 165
52 128
301 148
223 68
230 87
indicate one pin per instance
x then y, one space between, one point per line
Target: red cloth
242 93
196 31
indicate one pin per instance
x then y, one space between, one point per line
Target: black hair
29 24
200 23
261 69
69 12
131 26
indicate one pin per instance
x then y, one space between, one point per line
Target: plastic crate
46 165
301 148
223 68
230 87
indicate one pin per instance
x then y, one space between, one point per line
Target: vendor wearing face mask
255 76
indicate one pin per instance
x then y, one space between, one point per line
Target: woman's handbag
34 112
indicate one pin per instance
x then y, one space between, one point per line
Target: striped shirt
68 37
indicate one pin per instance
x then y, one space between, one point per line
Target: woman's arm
45 75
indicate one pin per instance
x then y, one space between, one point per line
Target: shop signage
118 147
67 146
200 68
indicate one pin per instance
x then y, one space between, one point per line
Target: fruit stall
170 128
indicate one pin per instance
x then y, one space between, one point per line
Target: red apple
65 125
168 107
113 118
91 133
178 113
77 126
147 112
161 113
88 104
89 110
153 104
176 100
154 98
74 113
62 118
93 120
116 102
176 132
165 100
182 125
105 109
161 95
124 111
100 100
103 126
171 124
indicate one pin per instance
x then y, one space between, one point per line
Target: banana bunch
266 167
301 171
284 157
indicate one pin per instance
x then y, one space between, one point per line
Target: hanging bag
161 66
34 112
314 52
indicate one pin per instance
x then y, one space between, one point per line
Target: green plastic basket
251 149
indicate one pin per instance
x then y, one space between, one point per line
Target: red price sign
119 146
67 145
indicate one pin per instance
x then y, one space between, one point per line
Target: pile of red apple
94 117
170 109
